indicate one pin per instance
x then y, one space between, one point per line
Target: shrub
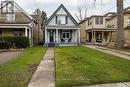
18 42
4 45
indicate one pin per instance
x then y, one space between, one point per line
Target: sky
49 6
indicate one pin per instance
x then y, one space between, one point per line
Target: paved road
7 56
45 73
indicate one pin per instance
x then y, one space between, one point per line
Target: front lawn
18 72
92 67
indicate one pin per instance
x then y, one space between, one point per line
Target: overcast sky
49 6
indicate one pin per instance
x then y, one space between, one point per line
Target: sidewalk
122 54
123 84
45 73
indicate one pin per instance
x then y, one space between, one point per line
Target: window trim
99 20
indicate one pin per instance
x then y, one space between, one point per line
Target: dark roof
85 19
63 7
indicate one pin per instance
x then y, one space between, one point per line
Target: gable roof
63 7
18 7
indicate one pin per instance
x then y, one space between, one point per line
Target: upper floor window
128 21
10 17
99 20
89 23
7 7
61 20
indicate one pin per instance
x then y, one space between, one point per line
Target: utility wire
35 2
111 8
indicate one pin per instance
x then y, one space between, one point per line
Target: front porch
16 30
62 37
99 37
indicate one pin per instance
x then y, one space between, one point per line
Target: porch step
51 44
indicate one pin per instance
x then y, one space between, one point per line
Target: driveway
7 56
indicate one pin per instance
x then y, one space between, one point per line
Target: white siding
61 12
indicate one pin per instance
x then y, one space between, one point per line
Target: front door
51 37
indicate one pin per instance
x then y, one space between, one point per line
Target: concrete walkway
45 73
121 54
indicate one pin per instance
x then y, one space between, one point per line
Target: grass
18 72
92 67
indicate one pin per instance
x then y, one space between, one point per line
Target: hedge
16 42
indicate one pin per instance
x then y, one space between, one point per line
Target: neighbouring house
14 21
94 29
61 29
102 29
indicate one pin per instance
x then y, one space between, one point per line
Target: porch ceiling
15 26
111 30
62 27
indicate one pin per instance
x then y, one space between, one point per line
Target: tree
82 13
120 24
44 16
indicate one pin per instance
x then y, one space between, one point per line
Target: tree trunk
120 24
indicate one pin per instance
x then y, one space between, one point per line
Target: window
10 17
99 20
66 34
89 22
128 21
56 20
7 7
61 20
66 19
18 32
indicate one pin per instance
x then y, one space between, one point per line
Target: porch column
102 36
94 37
26 31
111 37
29 33
87 35
75 36
57 38
46 36
79 35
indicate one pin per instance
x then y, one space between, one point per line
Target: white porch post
79 35
29 33
75 36
26 31
57 38
46 39
30 37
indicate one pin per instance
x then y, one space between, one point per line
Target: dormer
61 17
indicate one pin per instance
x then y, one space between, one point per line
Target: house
95 30
101 29
61 29
14 21
112 23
